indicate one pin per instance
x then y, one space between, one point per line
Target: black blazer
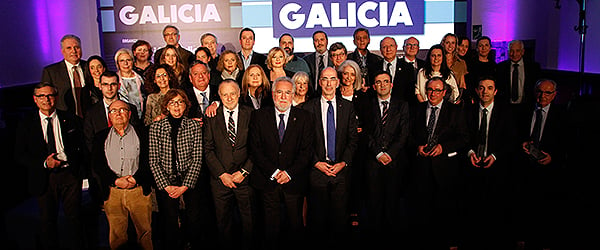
106 177
532 74
221 157
373 64
293 155
392 138
310 60
406 80
58 74
195 111
346 134
257 58
554 133
31 151
266 100
95 121
501 133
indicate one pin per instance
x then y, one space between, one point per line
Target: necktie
514 92
318 73
281 127
231 129
384 113
483 132
108 117
537 127
330 132
204 102
51 143
77 85
389 68
431 123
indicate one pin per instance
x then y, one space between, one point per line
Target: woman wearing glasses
160 79
175 159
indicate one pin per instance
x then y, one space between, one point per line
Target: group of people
243 150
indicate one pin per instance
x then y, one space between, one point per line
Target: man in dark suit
203 97
543 136
171 36
120 161
439 135
335 142
491 147
50 145
409 67
68 76
386 162
527 72
96 117
391 64
319 59
369 63
281 141
247 54
226 151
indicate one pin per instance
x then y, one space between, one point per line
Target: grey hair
283 79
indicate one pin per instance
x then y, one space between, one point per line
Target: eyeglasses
434 91
46 96
411 45
545 92
281 92
161 75
173 103
170 34
121 111
338 55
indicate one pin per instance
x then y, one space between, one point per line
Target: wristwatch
244 172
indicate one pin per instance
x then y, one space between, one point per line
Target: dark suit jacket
58 74
392 138
95 121
373 64
267 100
554 132
257 58
106 176
31 151
501 136
310 60
346 135
503 71
406 80
195 111
293 155
220 156
451 132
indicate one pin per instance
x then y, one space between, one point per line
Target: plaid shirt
189 149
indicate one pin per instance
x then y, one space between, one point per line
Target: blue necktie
281 127
330 132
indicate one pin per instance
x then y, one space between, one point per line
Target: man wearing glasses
409 66
439 135
171 36
120 160
49 143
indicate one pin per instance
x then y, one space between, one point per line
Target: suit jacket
373 64
257 58
406 80
95 121
346 136
501 132
220 156
554 133
266 100
532 74
392 137
58 74
310 60
189 152
106 176
195 111
31 151
293 155
451 132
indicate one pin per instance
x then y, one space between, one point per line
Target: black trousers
328 213
65 188
227 201
283 222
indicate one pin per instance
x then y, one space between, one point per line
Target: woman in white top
132 84
435 65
